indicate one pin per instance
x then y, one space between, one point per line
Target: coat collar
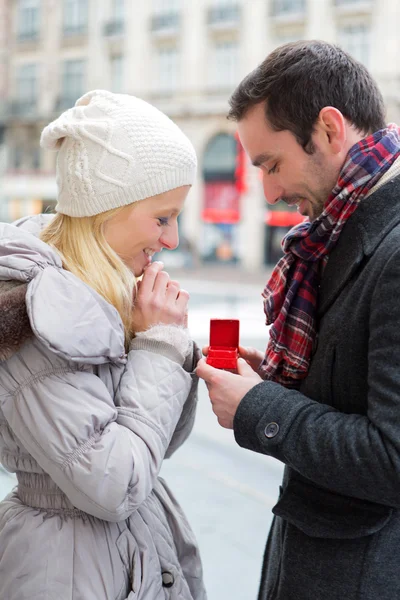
15 328
366 228
66 315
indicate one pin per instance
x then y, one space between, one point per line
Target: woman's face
146 227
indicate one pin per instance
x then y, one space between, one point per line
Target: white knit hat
115 149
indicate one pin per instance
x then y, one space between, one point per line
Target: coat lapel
367 226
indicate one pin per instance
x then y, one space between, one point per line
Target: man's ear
331 130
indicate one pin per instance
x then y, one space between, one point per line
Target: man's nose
170 237
272 192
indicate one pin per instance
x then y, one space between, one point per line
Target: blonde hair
84 251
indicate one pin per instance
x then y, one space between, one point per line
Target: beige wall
199 110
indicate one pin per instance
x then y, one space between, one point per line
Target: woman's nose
170 237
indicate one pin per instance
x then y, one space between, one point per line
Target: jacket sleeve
351 454
104 453
186 421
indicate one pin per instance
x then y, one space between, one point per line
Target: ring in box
224 341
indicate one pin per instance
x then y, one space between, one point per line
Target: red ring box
224 341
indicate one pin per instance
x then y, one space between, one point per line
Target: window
344 2
219 162
28 19
224 65
26 88
73 82
164 6
118 10
115 26
224 11
286 7
355 39
117 73
221 13
36 156
17 156
75 17
166 15
286 38
167 65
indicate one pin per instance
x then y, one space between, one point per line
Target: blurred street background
186 57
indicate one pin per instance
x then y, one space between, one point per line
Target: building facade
185 57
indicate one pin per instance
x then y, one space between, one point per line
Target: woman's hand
159 300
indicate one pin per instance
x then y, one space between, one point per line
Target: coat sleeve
351 454
104 453
186 421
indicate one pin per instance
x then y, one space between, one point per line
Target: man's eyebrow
262 158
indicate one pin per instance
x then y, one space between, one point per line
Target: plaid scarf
291 293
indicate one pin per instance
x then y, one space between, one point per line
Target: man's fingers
205 350
249 353
243 368
253 357
205 371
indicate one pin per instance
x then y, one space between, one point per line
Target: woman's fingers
160 299
173 290
149 278
160 285
182 300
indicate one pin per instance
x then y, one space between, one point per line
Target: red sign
241 167
283 218
221 202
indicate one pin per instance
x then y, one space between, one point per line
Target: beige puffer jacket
86 427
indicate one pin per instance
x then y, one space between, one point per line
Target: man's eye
272 169
163 220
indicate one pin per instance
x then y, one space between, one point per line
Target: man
325 398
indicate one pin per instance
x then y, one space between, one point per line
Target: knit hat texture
115 149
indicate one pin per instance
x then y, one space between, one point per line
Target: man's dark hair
298 79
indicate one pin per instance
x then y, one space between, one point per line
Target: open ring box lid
224 341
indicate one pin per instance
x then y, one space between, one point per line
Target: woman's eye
163 220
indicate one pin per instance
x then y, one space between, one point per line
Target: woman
95 389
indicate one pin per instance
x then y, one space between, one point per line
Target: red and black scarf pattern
291 294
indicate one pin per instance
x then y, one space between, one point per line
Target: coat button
271 430
167 579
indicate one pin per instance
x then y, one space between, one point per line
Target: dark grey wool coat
336 530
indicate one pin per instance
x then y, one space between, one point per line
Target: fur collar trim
15 328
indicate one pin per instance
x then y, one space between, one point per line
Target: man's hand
252 356
226 390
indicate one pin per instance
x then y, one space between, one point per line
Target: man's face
288 172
